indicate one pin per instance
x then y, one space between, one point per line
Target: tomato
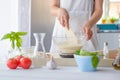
18 59
12 63
25 62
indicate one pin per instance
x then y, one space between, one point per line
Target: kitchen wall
41 21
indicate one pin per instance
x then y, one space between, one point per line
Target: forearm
97 13
60 13
54 7
93 20
95 17
54 10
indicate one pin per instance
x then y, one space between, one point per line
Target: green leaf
93 53
85 53
13 44
18 45
77 52
19 40
15 38
12 34
6 36
95 61
21 33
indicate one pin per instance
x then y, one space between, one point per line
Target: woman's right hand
63 17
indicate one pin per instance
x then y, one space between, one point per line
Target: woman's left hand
87 31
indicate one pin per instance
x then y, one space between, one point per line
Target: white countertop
67 70
61 73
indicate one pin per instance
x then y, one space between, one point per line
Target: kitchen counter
66 70
61 73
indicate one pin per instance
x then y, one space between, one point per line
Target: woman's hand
63 17
93 20
87 31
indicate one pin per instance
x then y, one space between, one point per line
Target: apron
80 12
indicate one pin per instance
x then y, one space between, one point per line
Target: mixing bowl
68 45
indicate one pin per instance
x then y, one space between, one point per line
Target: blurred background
33 16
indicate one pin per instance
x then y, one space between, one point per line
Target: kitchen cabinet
111 38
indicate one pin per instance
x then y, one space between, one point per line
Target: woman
77 15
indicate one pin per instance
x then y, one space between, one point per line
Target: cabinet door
111 38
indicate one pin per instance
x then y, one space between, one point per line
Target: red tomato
25 62
12 63
18 59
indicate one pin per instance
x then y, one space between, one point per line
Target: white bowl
84 63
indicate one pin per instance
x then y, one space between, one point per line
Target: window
114 8
111 10
8 22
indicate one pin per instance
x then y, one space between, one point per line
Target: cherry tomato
12 63
18 59
25 62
